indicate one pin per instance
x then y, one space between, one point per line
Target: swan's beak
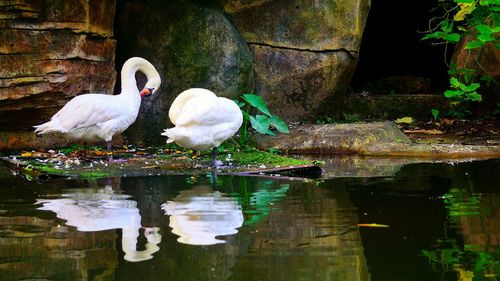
146 92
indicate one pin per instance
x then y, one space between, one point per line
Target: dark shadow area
392 51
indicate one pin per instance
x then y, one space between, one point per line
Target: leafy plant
478 18
435 114
262 123
450 255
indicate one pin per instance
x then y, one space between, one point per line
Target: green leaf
261 124
435 113
279 124
239 103
484 29
429 36
486 38
452 37
453 93
464 1
246 116
474 45
455 83
472 87
257 102
474 96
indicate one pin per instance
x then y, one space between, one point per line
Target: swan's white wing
88 110
179 104
208 111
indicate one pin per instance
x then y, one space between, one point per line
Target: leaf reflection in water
199 215
102 209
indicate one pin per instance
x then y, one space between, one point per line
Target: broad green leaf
474 45
464 1
257 102
261 124
452 93
472 87
486 38
474 96
455 83
484 29
429 36
452 37
279 124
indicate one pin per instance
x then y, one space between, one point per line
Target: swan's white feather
202 120
100 116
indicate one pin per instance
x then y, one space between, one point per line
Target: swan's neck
131 66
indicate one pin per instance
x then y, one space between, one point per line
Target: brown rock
66 51
305 51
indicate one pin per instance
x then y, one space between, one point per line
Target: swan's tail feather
168 134
49 127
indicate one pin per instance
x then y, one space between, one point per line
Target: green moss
50 170
93 175
265 158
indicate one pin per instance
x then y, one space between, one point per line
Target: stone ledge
367 139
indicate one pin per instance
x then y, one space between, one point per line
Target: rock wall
50 51
305 51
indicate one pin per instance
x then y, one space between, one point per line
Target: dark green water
443 224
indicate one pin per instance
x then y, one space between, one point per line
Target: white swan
100 116
98 210
202 120
199 215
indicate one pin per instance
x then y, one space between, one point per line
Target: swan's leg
109 146
215 151
214 179
84 153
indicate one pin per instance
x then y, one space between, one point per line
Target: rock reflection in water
199 215
102 209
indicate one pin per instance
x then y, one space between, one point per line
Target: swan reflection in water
200 214
102 209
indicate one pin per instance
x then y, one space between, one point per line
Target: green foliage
261 123
462 92
478 18
449 255
435 114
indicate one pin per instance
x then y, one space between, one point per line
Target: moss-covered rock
305 51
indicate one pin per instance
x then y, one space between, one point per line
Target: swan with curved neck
100 116
202 120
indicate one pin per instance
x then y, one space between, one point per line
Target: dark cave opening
392 47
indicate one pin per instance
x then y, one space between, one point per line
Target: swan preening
98 210
199 215
99 116
202 120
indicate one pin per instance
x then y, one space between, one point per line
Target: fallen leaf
404 120
422 131
26 154
372 225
